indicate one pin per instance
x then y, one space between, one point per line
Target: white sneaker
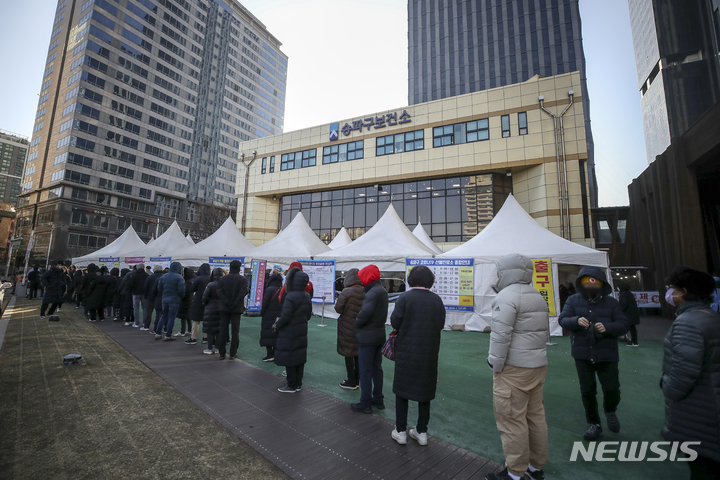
143 329
399 437
420 437
178 334
207 351
136 326
127 324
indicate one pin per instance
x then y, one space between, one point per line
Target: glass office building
143 105
13 151
458 47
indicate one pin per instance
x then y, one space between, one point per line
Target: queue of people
212 302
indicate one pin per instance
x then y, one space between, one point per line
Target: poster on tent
164 262
224 262
322 276
257 285
454 280
134 260
543 282
647 299
110 262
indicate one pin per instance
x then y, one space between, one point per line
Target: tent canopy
297 241
387 244
423 236
125 244
341 239
189 239
170 243
513 230
227 241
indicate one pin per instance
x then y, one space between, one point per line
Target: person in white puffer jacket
518 358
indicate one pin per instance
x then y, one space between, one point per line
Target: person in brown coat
348 305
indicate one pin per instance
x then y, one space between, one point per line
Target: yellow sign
543 282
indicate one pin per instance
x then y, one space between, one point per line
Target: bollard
322 321
549 343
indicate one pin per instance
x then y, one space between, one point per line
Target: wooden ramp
308 435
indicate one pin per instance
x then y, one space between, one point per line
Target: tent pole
322 321
548 342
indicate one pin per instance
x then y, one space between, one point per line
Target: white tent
227 241
297 241
189 239
513 230
126 243
341 239
169 244
387 244
422 235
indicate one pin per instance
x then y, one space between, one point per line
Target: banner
224 263
454 280
114 261
322 276
134 260
543 282
164 262
257 285
647 299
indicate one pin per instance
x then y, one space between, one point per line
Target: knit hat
369 274
694 281
158 268
277 267
588 280
295 264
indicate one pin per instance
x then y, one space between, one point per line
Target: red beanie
295 264
369 274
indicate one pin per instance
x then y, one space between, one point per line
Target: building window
621 229
79 218
306 158
90 241
272 164
55 193
101 222
522 123
343 152
402 142
505 123
264 165
79 194
604 235
459 133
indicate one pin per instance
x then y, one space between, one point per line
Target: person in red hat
309 288
371 336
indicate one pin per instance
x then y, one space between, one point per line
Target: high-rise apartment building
458 47
13 152
676 46
142 107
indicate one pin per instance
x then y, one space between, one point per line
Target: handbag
388 350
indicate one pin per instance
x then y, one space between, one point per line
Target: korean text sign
647 299
164 262
322 276
454 280
543 282
108 261
257 285
224 262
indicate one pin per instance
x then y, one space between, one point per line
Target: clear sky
349 58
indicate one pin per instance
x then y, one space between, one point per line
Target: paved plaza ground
183 414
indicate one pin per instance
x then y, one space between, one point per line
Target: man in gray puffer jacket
518 358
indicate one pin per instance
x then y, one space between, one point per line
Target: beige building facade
448 164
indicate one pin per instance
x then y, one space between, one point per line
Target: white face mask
669 296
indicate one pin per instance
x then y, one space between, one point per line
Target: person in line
54 282
518 358
211 312
629 307
348 305
110 294
69 285
184 311
371 335
595 321
157 302
33 282
137 283
149 297
419 318
691 370
171 288
78 283
197 308
94 289
231 290
117 298
292 329
278 269
270 311
126 309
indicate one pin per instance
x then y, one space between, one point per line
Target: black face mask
592 293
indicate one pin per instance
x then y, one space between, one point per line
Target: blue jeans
169 312
371 376
137 302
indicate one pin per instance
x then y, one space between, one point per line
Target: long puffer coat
291 344
271 310
211 300
691 379
232 291
197 288
111 290
94 288
77 279
588 343
370 321
419 318
54 282
126 304
348 305
184 309
519 317
629 305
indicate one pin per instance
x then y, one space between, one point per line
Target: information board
454 280
164 262
543 282
257 285
134 260
110 262
224 263
322 276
